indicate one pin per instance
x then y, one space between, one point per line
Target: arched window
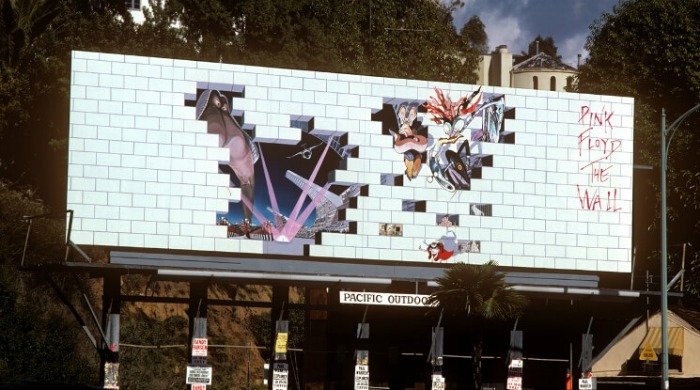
553 83
534 82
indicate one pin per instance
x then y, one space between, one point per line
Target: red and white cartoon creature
437 252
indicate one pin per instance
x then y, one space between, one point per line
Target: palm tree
481 293
22 22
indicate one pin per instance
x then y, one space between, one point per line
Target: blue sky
517 22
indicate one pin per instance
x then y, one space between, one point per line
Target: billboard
176 155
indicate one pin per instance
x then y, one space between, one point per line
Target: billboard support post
280 339
198 325
111 306
361 381
515 359
280 296
670 131
316 334
436 357
280 367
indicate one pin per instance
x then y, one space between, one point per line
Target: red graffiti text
600 174
596 119
594 201
602 147
596 144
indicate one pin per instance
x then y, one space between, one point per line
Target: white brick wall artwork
169 154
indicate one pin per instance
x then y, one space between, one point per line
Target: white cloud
462 15
579 5
516 22
501 20
504 30
572 47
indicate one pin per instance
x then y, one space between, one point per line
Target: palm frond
478 290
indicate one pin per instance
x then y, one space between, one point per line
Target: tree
411 39
473 33
480 293
208 26
655 60
148 368
38 342
37 37
22 22
540 45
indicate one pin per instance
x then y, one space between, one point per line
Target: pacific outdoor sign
383 299
174 155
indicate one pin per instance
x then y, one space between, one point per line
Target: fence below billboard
175 155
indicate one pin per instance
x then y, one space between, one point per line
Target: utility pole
670 131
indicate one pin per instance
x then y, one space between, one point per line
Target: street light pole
664 258
664 243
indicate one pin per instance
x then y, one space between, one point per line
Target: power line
186 345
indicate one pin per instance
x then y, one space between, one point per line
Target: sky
516 23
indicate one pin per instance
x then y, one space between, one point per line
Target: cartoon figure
454 116
436 251
442 248
213 107
447 167
408 142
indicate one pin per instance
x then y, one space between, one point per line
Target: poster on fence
280 376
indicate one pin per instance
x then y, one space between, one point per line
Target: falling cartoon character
437 252
408 141
447 168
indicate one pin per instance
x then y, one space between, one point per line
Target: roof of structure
542 61
689 315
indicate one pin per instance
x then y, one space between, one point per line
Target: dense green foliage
34 85
159 364
538 45
542 45
648 49
473 34
34 345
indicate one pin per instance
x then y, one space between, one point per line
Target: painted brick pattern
144 173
